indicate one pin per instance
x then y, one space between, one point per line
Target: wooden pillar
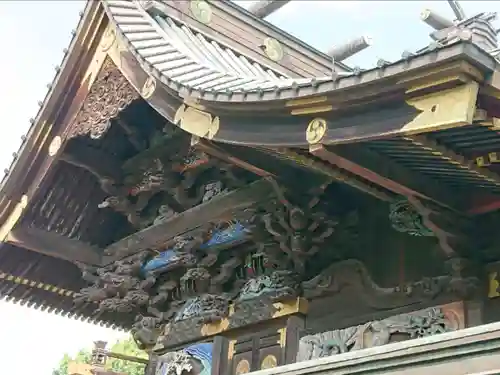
294 325
220 355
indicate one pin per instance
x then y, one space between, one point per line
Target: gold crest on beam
197 122
148 88
316 130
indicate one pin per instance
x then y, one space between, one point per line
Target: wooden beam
327 169
213 150
102 165
54 245
327 155
481 205
263 8
221 207
419 114
395 172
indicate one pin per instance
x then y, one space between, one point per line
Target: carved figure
193 360
146 331
278 285
415 325
204 309
195 281
352 275
406 219
299 231
123 206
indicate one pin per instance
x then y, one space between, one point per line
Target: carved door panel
269 351
252 353
242 355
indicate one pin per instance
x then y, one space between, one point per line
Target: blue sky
32 37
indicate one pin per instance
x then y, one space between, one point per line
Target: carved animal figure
193 360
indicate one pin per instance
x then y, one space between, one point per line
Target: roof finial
264 8
350 48
434 20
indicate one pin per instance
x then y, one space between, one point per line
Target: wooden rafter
334 172
410 182
54 245
212 149
457 159
329 156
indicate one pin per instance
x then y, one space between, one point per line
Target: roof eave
16 183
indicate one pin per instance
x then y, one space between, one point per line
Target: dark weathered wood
97 162
397 173
214 150
294 325
54 245
219 355
221 207
326 154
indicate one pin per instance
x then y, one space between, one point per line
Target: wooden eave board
32 160
28 278
246 92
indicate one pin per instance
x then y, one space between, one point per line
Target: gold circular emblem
148 88
55 145
269 361
316 130
108 39
243 367
273 49
201 10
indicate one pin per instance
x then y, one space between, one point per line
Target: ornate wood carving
289 234
352 276
418 324
450 230
110 93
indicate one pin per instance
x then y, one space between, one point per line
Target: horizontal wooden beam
418 114
54 245
221 207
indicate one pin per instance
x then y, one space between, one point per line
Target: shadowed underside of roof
49 284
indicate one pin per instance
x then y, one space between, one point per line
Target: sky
33 35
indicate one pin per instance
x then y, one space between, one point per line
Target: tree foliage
126 346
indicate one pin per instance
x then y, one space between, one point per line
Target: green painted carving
405 219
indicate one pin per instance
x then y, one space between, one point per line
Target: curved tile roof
191 63
179 53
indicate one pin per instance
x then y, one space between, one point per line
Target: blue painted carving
234 233
193 360
162 260
203 353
